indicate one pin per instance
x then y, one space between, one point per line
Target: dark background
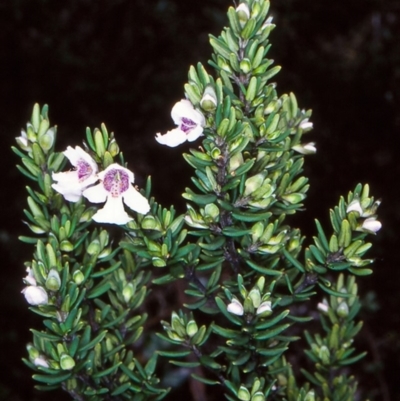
124 63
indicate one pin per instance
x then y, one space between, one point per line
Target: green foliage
245 267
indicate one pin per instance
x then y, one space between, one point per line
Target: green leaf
121 389
106 372
174 354
293 261
235 232
185 364
52 379
251 216
262 325
92 343
263 270
223 332
271 333
209 382
350 361
100 289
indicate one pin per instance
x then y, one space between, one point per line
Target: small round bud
66 362
53 281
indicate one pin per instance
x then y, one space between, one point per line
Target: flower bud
253 183
30 278
255 297
150 223
94 247
235 307
66 362
191 328
323 307
265 309
33 352
243 13
66 246
243 394
53 281
23 142
113 147
40 361
258 396
211 210
46 141
177 324
324 354
371 225
306 149
209 100
35 295
78 277
343 309
306 125
245 65
128 292
354 206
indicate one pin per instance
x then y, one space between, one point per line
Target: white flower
305 124
35 295
190 124
323 306
30 278
41 361
23 141
306 149
243 12
71 184
371 225
265 308
235 307
115 189
268 23
355 206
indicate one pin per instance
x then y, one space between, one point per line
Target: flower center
84 170
116 182
187 125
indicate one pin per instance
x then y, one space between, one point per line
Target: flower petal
77 154
184 108
195 133
172 138
116 166
136 201
35 295
235 307
95 194
371 225
354 206
113 212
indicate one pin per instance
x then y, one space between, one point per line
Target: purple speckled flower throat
187 125
116 182
84 170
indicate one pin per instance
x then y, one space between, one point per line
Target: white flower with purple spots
190 124
115 189
72 183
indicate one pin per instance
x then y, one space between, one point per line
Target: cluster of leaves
245 267
87 344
